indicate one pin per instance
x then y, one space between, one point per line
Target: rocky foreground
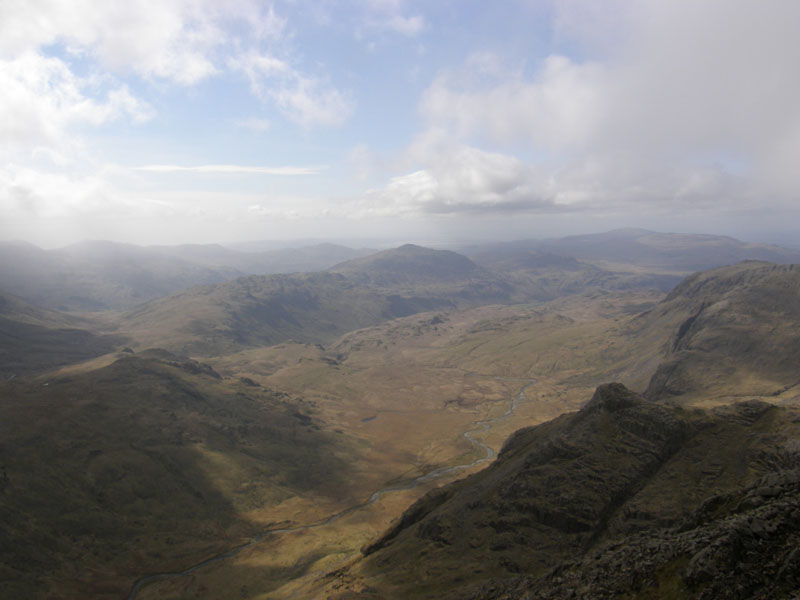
625 498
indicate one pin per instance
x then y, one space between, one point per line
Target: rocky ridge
625 498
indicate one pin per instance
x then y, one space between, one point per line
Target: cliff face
742 544
624 497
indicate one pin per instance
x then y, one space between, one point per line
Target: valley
265 436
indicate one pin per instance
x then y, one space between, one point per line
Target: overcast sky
171 121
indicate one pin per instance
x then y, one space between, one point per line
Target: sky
177 121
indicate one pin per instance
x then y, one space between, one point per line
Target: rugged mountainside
318 307
559 506
732 331
133 463
266 310
634 497
313 307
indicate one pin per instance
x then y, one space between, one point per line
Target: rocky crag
625 498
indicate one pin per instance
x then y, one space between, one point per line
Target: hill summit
408 264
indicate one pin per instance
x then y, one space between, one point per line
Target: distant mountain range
662 252
98 275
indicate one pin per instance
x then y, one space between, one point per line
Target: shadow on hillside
144 466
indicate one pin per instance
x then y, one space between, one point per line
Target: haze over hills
33 339
100 275
103 275
383 285
657 252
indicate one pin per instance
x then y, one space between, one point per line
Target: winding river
490 453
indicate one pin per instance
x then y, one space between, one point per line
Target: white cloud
306 100
409 26
682 100
174 40
461 180
42 98
233 169
389 15
41 195
561 108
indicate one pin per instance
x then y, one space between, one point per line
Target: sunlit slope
148 464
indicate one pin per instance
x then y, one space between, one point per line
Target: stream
490 453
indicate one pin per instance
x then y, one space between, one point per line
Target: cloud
561 108
680 100
232 169
42 98
304 99
174 40
388 15
460 179
465 180
50 196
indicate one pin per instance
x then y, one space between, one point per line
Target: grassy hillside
266 310
150 463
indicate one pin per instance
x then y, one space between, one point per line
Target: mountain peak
408 264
